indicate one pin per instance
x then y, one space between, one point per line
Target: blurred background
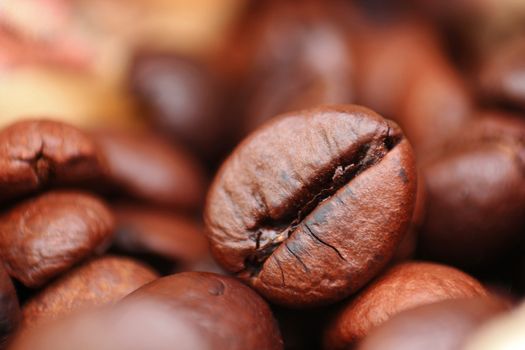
206 72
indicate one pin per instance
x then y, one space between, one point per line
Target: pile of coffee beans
334 175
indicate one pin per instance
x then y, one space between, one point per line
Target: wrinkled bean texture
98 282
402 287
231 315
46 235
35 154
312 206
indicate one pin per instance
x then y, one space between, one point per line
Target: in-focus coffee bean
313 205
35 154
44 236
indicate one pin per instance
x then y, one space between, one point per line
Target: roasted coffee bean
404 75
402 287
503 333
166 241
100 281
145 167
127 326
295 56
35 154
183 98
231 315
44 236
502 75
476 194
9 306
442 325
313 205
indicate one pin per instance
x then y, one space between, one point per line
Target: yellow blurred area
104 34
80 99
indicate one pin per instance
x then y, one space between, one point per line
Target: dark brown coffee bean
404 75
476 194
126 326
442 325
231 315
165 240
183 98
296 56
402 287
502 75
312 206
36 154
101 281
9 306
44 236
149 169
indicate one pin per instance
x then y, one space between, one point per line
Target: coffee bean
404 74
295 56
183 99
9 306
167 241
44 236
312 206
476 194
98 282
402 287
501 76
147 168
231 315
35 154
127 326
442 325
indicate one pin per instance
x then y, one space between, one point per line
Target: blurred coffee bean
46 235
143 166
402 287
166 241
36 154
127 326
294 55
404 74
503 333
9 306
230 315
502 74
476 194
313 205
184 99
98 282
438 326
